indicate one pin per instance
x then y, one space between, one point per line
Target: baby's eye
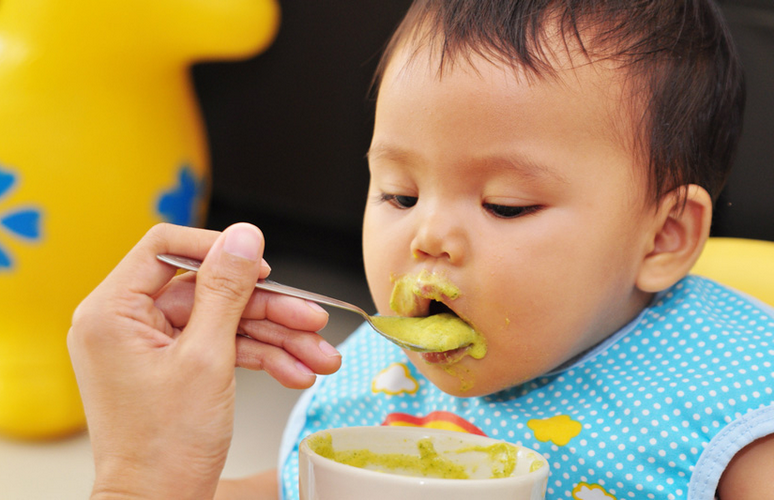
509 212
400 201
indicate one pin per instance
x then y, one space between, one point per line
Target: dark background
289 129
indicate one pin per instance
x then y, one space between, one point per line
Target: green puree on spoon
439 332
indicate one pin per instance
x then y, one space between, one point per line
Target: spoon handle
269 285
273 286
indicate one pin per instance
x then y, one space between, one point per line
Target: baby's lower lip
444 358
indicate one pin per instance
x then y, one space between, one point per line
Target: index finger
140 272
298 314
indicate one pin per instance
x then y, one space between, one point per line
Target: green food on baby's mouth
410 288
436 333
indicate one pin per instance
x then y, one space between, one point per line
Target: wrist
127 480
124 490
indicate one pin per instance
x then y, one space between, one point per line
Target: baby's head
556 161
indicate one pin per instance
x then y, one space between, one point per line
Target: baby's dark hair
679 52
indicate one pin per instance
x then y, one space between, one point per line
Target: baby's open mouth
446 357
422 294
434 307
426 320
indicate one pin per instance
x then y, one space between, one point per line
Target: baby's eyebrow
525 166
521 164
387 152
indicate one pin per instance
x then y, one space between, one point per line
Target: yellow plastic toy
101 139
744 264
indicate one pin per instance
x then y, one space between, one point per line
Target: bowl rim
532 476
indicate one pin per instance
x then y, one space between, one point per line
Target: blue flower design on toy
179 205
22 223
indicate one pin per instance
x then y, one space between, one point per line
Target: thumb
224 284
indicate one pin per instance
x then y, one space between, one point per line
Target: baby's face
522 194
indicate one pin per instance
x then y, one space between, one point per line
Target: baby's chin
463 379
452 372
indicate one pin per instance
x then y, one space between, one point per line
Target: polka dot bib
656 411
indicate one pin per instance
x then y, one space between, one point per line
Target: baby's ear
681 227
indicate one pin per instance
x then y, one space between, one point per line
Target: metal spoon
273 286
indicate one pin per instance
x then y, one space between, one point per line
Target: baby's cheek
381 292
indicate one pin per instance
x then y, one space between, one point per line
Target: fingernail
303 368
329 350
265 266
316 307
243 240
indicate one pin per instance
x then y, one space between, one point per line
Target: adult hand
154 356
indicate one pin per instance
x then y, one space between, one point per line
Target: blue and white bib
656 411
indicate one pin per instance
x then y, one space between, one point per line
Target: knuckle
250 354
79 314
83 316
156 237
259 360
96 316
228 287
158 232
84 329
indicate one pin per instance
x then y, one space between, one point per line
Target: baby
556 163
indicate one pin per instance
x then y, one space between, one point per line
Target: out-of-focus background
288 131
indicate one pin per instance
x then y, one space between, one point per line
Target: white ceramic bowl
321 478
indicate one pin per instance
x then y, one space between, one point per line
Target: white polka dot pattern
630 419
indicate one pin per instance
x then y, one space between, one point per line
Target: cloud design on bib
560 429
585 491
394 380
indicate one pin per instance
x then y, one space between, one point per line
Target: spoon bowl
273 286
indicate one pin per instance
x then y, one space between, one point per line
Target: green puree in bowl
429 463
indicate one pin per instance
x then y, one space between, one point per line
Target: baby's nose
440 234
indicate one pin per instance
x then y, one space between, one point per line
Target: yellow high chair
744 264
100 138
